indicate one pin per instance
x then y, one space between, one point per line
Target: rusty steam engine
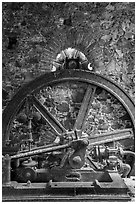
68 135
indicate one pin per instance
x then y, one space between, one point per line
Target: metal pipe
129 152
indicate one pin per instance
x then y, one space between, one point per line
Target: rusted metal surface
74 144
52 150
93 190
65 75
84 108
110 137
64 198
6 170
40 151
59 129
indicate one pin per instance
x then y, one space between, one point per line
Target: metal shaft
40 151
110 137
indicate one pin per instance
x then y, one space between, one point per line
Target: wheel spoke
84 107
52 121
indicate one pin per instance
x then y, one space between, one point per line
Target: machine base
97 190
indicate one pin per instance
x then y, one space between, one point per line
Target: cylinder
6 167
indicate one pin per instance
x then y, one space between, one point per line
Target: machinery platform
113 190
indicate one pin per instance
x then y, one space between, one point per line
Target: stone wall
29 29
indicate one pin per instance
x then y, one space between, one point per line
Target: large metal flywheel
61 102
